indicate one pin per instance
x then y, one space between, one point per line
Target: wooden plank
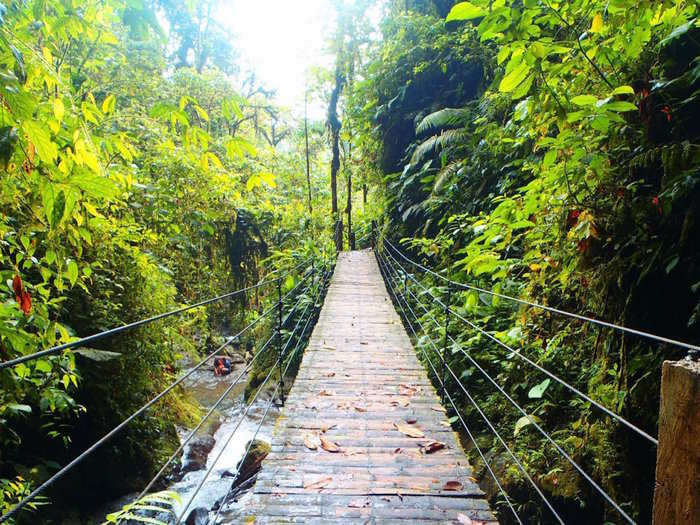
361 386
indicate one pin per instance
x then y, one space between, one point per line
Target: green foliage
569 177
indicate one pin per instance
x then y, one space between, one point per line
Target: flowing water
205 387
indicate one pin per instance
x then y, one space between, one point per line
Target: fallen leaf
326 428
409 430
445 424
311 441
328 347
411 420
397 450
434 446
364 343
452 485
329 445
326 393
360 409
318 484
330 374
438 408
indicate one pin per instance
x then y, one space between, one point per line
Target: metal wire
488 422
113 331
561 451
464 424
598 322
59 474
532 363
291 358
228 440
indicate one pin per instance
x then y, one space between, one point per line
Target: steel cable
561 451
245 413
598 322
532 363
113 331
60 473
466 428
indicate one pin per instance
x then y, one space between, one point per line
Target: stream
205 387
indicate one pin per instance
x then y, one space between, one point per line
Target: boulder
198 516
250 464
196 454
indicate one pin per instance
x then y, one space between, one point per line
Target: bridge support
677 490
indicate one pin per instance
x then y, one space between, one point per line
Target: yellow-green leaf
108 104
584 100
58 109
513 79
39 136
465 11
597 24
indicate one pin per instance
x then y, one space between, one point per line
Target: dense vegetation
544 149
133 181
548 150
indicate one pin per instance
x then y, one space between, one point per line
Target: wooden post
677 490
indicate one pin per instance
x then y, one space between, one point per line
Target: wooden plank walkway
359 380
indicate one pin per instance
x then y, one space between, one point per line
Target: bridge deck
361 386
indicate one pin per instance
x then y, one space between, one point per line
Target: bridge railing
312 278
410 295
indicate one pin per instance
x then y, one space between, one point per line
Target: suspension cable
291 358
580 317
114 331
532 363
228 440
215 405
488 422
561 451
392 285
60 473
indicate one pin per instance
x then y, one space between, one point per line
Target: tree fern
444 118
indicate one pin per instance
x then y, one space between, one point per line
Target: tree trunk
351 240
306 137
364 194
335 126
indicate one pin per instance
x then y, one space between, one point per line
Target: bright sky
279 39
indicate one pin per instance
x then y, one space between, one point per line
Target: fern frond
446 139
444 118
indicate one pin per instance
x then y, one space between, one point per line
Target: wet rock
197 453
250 464
198 516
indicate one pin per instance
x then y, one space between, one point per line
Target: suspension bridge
364 435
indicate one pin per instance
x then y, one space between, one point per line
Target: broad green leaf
465 11
95 186
72 272
42 366
513 79
40 137
16 407
623 90
97 355
584 100
538 390
620 106
268 178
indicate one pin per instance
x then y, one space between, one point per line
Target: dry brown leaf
397 450
434 446
445 424
330 374
364 343
328 347
318 484
360 409
326 428
438 408
411 420
326 393
409 430
452 485
311 441
329 445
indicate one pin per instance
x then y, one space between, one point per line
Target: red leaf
21 295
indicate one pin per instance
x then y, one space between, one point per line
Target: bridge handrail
113 331
532 363
573 463
97 444
551 309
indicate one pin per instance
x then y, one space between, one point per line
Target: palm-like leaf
442 119
436 143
